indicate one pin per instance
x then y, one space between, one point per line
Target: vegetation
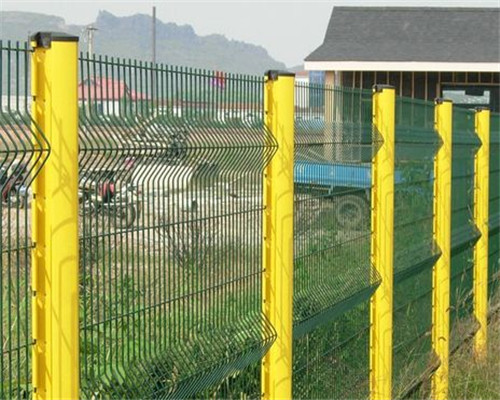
471 380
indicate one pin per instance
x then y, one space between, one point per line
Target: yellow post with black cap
55 260
382 243
481 219
442 237
278 235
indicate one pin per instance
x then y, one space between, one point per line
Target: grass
134 335
471 380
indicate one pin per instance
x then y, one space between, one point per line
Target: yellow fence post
382 243
481 218
278 236
442 237
55 219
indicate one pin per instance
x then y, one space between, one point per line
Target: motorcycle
122 207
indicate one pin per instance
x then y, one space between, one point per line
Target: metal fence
464 229
415 251
183 288
171 163
333 278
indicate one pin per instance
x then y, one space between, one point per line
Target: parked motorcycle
122 207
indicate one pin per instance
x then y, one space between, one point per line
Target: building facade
423 52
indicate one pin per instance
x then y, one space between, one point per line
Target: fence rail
191 281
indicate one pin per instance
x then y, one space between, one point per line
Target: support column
442 237
55 259
382 244
278 236
481 219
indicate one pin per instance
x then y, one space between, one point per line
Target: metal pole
153 71
55 258
442 237
481 219
328 134
90 49
154 35
90 42
382 244
91 39
278 236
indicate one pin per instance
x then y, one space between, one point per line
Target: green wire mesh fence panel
333 278
414 249
23 149
464 233
494 207
171 163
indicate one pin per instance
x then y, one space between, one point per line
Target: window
472 96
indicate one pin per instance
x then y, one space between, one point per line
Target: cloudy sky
289 30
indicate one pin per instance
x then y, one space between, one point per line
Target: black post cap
45 39
273 75
379 87
441 100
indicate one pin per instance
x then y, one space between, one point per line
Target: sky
289 30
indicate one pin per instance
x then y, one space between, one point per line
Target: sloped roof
101 88
411 34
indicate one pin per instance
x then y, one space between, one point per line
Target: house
423 52
302 77
106 96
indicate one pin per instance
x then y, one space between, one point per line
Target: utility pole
153 70
154 35
89 30
90 39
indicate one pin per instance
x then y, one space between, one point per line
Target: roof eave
410 66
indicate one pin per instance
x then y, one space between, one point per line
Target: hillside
130 37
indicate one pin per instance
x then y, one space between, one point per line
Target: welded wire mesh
171 163
464 233
333 278
23 150
494 207
332 361
170 190
414 249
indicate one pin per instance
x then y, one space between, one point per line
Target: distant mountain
130 37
